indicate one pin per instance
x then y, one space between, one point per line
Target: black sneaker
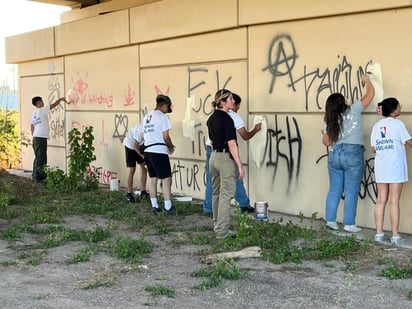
248 210
144 194
156 210
171 212
130 198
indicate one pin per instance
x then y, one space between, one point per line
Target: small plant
43 214
410 295
326 248
83 256
10 234
81 175
8 196
129 250
81 152
225 269
396 271
160 290
5 200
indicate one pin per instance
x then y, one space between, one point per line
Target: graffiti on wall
368 185
344 78
120 126
187 176
289 139
57 121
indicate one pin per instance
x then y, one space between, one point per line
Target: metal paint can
261 210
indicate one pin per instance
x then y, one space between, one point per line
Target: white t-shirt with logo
40 120
154 124
134 134
389 136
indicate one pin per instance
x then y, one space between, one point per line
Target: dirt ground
312 284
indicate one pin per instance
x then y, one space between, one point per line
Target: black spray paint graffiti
57 123
57 127
120 126
185 177
276 139
203 105
54 92
368 184
282 57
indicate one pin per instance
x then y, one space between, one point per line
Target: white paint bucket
261 210
114 184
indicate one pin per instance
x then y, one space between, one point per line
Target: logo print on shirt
383 132
148 119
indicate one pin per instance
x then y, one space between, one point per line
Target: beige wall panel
27 157
292 65
172 18
189 129
289 178
56 157
50 88
103 31
29 46
109 130
104 80
200 48
102 8
41 67
263 11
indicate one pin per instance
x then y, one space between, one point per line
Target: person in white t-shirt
40 131
132 141
388 139
158 146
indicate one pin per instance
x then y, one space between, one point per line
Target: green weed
396 271
225 269
160 290
83 256
10 234
129 250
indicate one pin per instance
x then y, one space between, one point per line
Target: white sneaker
379 237
332 225
352 228
397 240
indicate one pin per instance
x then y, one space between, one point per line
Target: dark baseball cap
164 99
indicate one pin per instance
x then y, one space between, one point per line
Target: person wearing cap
225 164
158 146
40 131
388 139
240 193
132 141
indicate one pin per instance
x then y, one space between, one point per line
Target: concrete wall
283 59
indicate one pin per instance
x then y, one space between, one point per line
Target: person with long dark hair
388 139
343 134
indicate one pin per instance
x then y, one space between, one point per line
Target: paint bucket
261 210
114 184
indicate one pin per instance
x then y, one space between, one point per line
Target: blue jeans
345 167
240 195
207 204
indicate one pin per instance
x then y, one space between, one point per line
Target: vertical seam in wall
139 86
